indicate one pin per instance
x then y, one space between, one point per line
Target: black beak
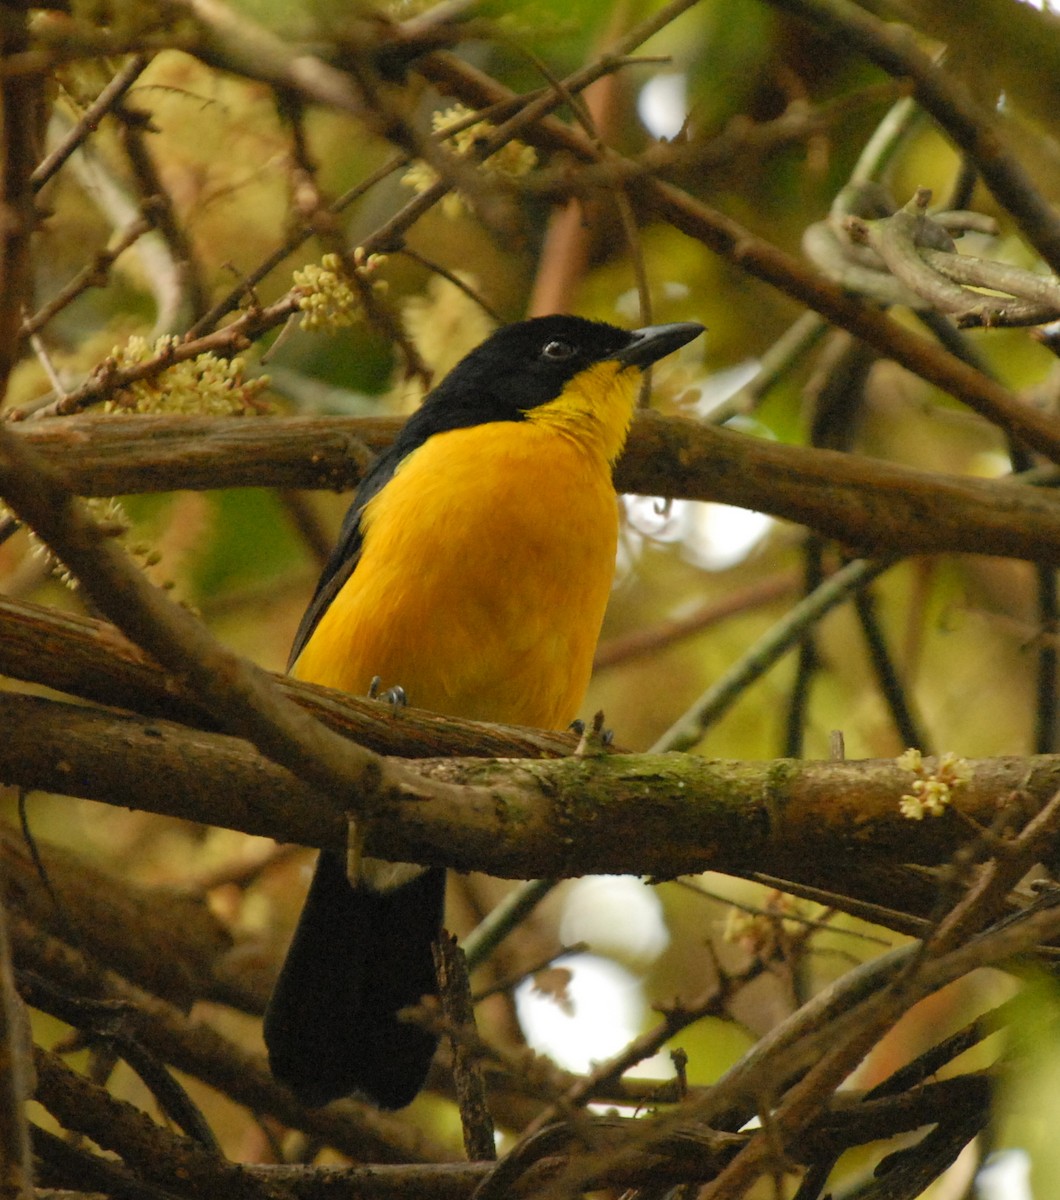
653 342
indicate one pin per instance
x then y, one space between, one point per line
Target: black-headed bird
472 571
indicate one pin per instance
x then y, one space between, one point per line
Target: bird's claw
395 696
594 739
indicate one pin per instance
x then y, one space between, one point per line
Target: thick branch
875 506
154 1152
92 660
661 815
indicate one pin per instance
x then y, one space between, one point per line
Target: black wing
347 552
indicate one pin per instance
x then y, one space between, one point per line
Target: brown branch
528 111
847 1041
199 1050
927 968
155 1153
525 818
92 660
454 988
235 42
89 120
102 909
1039 430
93 275
16 1074
122 455
23 117
189 284
876 506
818 1046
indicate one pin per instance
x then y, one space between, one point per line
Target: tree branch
199 1050
523 818
894 48
876 506
92 660
100 910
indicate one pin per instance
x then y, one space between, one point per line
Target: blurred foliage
963 632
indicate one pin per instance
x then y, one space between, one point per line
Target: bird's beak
656 341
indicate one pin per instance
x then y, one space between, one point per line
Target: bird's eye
557 351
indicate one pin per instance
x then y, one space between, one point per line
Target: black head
528 364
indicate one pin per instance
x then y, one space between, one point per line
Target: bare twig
94 275
689 728
89 121
188 287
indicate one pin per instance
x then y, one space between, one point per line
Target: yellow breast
484 575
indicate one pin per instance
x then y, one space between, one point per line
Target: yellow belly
483 579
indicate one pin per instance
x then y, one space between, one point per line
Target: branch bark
660 815
194 1047
876 506
91 659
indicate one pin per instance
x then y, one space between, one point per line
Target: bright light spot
712 536
616 915
990 464
1044 5
720 536
601 1013
662 105
1006 1176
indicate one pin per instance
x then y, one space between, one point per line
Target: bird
471 573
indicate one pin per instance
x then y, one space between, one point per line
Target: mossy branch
660 815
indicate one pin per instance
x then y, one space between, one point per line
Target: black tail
357 957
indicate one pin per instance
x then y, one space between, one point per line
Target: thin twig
89 121
722 694
503 918
94 275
